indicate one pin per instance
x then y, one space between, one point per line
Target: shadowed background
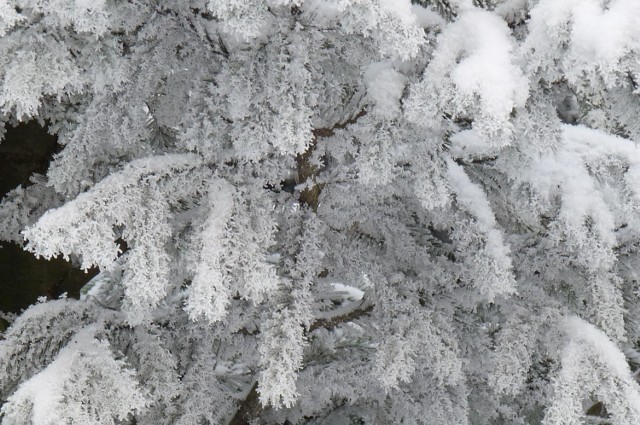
27 149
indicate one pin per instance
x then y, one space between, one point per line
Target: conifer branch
250 408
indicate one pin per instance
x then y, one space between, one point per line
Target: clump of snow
427 18
592 365
617 29
585 37
584 332
65 391
384 88
472 76
492 263
468 144
351 292
210 293
487 71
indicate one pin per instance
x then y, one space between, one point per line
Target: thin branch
307 170
333 322
250 408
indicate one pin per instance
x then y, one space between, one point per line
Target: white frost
352 293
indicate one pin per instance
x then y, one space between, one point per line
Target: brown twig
307 170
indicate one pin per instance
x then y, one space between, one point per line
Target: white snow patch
352 293
384 88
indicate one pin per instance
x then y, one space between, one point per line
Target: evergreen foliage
328 211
